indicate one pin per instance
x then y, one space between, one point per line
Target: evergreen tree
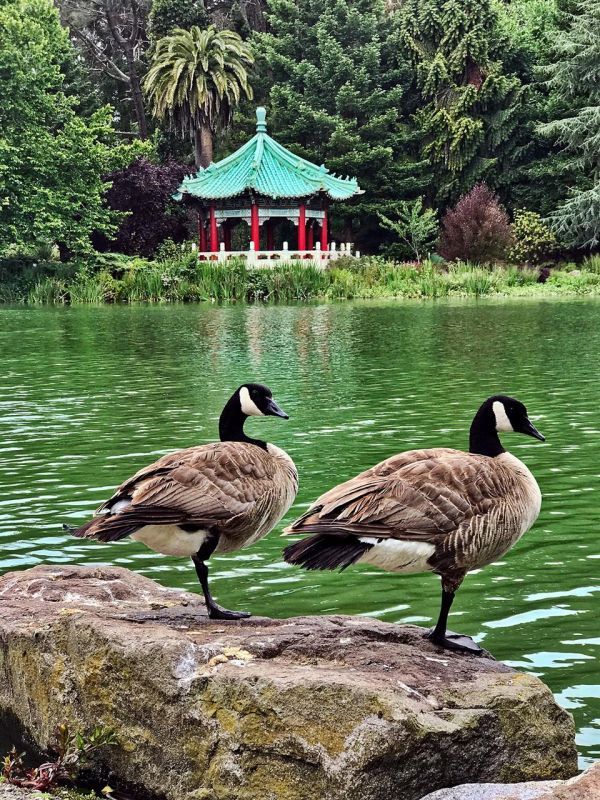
575 79
333 75
469 105
51 158
538 179
166 15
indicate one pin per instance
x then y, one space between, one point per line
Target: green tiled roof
268 169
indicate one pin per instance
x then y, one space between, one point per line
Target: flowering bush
533 241
477 229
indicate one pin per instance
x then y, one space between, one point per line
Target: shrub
533 241
416 227
477 229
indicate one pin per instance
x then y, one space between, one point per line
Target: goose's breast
492 535
525 500
267 509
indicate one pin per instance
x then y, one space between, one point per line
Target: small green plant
533 241
71 750
48 292
416 226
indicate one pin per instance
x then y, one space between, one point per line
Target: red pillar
214 233
324 232
227 235
254 225
310 236
201 234
270 237
302 227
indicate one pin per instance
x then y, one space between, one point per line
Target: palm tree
196 79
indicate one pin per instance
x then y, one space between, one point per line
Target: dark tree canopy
144 190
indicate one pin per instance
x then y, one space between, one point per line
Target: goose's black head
499 414
249 400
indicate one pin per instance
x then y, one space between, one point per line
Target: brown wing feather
422 494
209 485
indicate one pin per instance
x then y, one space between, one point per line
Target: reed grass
187 280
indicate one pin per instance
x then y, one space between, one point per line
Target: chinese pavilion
262 184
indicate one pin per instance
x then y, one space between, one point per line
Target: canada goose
217 497
437 510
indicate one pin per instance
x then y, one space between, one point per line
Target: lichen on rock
311 707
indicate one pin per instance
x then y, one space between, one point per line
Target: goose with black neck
435 510
216 497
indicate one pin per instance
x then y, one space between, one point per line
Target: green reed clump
592 264
48 291
180 277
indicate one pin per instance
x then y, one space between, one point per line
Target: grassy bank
115 279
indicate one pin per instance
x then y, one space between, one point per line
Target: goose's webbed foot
454 641
217 612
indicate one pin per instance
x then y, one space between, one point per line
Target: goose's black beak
273 410
530 430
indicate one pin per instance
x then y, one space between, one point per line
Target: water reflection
89 395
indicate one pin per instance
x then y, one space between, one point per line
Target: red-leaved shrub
476 229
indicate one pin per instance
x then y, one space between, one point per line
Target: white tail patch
249 407
396 555
503 423
170 540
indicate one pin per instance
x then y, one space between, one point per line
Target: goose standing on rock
217 497
437 510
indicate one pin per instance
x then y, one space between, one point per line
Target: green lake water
89 395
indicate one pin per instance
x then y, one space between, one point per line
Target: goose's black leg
214 610
451 641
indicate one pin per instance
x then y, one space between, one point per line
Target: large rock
311 707
583 787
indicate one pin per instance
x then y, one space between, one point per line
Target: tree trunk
136 96
203 146
138 106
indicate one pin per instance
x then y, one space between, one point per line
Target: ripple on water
88 396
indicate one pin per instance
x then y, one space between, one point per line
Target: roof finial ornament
261 119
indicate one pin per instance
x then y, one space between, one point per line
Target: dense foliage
476 229
336 80
532 240
143 190
420 100
180 277
467 101
575 79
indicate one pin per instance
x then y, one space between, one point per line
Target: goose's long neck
483 436
231 425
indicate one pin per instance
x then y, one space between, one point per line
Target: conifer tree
333 76
468 104
575 79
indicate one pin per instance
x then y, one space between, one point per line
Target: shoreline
158 283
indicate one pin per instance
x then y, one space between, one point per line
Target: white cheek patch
249 407
502 421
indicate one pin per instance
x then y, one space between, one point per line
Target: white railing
269 258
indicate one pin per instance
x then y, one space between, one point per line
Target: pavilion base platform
270 258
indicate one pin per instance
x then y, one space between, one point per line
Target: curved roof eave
266 167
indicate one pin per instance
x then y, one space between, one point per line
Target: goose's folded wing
423 498
201 485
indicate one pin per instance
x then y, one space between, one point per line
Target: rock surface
583 787
531 790
314 707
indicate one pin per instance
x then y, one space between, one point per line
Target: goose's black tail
326 551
